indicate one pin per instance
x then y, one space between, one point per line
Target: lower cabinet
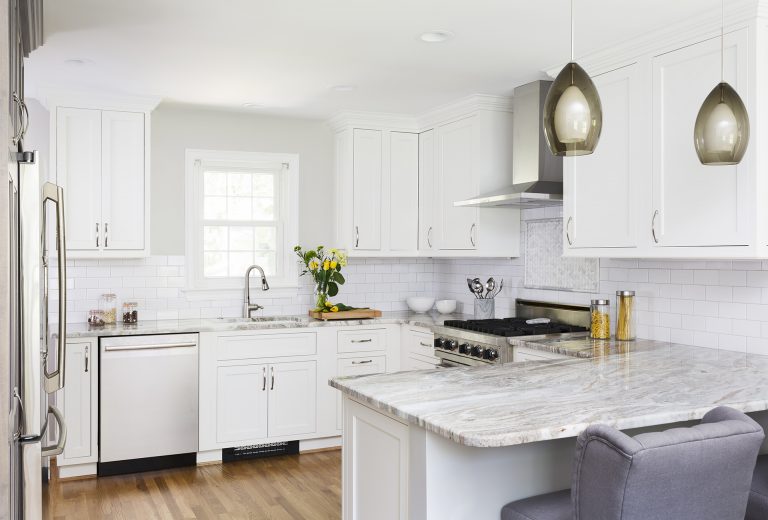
418 351
79 402
257 401
361 366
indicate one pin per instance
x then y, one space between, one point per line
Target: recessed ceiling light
343 88
438 36
78 62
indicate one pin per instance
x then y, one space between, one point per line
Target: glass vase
321 296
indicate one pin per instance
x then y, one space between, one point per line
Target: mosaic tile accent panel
545 266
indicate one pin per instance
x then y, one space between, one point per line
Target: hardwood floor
292 487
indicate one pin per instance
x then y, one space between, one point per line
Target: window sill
283 291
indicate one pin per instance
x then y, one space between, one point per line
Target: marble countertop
83 330
624 385
579 347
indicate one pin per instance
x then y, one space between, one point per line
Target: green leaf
338 278
333 289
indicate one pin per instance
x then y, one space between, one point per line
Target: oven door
449 359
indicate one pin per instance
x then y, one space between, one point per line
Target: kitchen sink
291 320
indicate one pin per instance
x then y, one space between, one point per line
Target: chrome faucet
249 307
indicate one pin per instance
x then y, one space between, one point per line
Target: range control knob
491 354
478 351
439 343
465 348
451 344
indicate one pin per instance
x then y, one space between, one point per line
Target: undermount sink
262 319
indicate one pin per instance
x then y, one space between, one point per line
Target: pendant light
721 133
573 115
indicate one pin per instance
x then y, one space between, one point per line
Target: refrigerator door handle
16 418
58 448
54 380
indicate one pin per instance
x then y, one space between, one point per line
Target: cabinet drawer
364 340
416 362
525 354
421 343
266 345
361 366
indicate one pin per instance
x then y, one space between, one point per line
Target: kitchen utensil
445 306
469 284
498 289
420 303
490 285
478 288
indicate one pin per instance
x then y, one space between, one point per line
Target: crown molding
373 120
700 27
52 96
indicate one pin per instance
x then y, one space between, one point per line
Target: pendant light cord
722 40
571 30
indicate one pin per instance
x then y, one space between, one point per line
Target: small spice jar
600 327
108 305
625 315
95 318
130 313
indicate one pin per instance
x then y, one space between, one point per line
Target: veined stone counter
638 384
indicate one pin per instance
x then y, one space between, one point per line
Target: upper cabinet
398 178
100 154
644 193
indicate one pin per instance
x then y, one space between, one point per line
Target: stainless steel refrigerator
37 354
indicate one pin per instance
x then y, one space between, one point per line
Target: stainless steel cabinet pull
106 234
23 119
357 236
58 449
653 226
472 234
272 373
429 237
362 362
54 381
362 340
86 359
264 379
424 344
153 346
568 231
97 234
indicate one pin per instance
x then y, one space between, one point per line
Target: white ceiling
285 54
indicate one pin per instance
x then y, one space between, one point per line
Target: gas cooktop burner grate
509 327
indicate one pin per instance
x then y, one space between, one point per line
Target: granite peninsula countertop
624 385
83 330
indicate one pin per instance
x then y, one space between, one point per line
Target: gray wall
177 127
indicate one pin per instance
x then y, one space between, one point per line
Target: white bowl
420 303
445 306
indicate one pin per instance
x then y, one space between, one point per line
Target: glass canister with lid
625 316
108 306
600 327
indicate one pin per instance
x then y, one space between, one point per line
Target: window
242 209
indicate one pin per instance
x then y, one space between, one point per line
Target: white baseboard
77 470
208 457
319 444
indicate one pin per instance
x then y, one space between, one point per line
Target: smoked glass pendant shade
573 115
721 133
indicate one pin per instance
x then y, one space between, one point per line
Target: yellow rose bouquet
325 268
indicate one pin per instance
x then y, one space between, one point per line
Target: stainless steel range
487 342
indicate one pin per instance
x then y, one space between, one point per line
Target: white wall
177 127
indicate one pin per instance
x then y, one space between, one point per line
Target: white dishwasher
149 404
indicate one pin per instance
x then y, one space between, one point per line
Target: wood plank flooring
304 487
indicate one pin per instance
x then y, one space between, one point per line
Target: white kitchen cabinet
418 350
241 402
100 156
696 205
79 402
367 184
358 366
404 191
427 192
601 190
292 398
456 180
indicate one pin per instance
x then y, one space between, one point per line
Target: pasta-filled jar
600 327
625 315
108 305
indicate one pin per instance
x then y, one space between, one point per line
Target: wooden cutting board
359 314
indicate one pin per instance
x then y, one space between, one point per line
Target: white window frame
288 200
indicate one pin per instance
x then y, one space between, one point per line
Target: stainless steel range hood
537 175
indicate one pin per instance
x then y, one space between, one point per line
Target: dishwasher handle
150 346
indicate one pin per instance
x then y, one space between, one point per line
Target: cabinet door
404 191
122 145
696 205
427 190
292 398
78 171
458 226
366 174
77 405
241 403
603 184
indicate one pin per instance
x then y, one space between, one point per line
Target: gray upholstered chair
757 508
697 473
